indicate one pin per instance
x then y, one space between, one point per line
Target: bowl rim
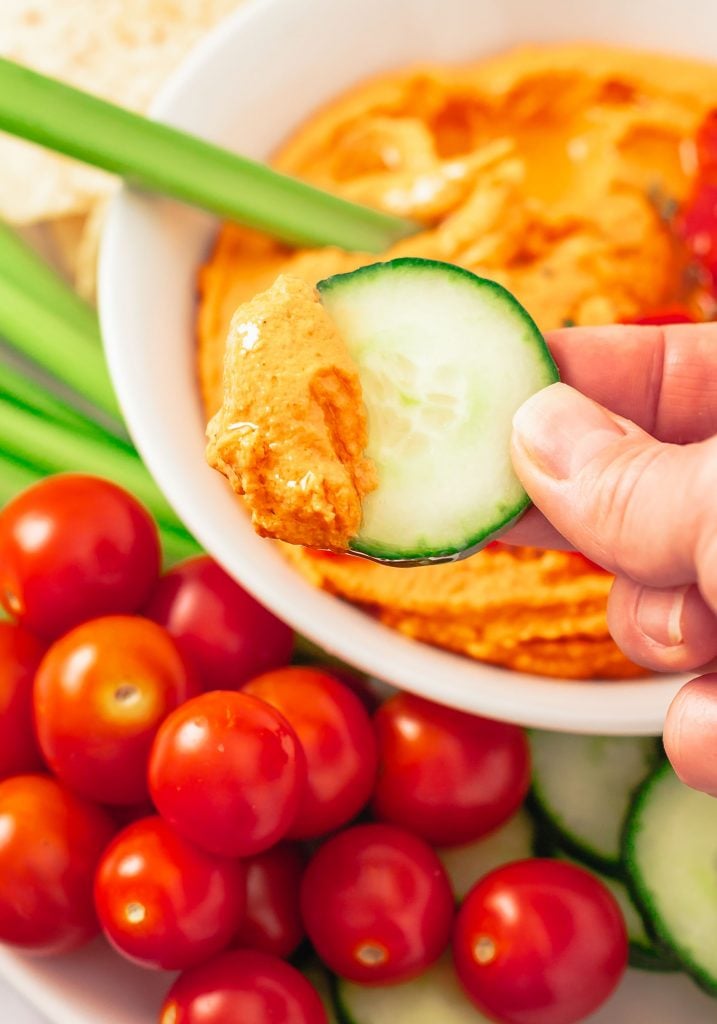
629 707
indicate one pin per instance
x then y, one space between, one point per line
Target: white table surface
13 1008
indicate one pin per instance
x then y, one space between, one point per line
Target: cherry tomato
539 942
20 654
665 317
447 776
228 772
338 741
243 987
272 922
706 146
226 634
100 695
697 226
72 548
377 904
356 681
50 843
162 902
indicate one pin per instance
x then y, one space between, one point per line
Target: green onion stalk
43 335
18 386
20 263
174 163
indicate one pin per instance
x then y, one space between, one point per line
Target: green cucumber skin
419 263
643 899
641 956
509 517
550 831
437 555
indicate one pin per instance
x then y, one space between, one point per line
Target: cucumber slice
322 981
515 840
445 360
671 857
644 954
435 997
583 785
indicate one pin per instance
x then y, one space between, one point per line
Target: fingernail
560 430
658 614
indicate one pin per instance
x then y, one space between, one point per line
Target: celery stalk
15 477
18 388
177 546
26 437
174 163
53 343
20 263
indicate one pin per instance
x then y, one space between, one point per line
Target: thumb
638 507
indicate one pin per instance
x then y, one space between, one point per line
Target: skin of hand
620 460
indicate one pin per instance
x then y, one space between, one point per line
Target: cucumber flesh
435 997
583 786
445 360
465 865
670 854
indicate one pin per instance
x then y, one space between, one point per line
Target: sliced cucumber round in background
435 997
467 864
583 787
644 954
445 359
670 853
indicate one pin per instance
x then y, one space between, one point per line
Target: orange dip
547 169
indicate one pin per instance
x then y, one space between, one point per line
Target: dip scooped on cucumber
373 413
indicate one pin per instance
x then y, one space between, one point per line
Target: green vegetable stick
49 340
20 263
15 477
177 546
174 163
18 388
26 437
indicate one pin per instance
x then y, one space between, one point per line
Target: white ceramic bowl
251 82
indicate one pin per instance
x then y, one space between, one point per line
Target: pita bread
122 50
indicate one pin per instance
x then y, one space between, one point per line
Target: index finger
662 378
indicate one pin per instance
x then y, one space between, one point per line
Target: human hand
621 463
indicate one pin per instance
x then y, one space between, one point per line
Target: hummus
547 169
291 431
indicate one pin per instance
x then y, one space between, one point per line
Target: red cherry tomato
228 772
100 695
50 843
20 654
356 681
706 146
243 987
73 548
336 735
377 904
665 317
697 226
539 942
162 902
272 922
226 634
447 776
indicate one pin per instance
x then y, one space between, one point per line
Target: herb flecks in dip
291 432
